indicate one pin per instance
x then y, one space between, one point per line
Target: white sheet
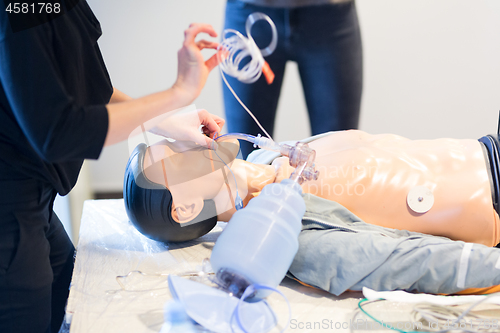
110 246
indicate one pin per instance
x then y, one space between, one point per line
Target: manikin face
193 174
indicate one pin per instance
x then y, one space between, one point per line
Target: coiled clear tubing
237 48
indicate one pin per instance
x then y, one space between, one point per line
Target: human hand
193 70
186 127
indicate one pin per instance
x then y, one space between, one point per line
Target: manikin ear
186 211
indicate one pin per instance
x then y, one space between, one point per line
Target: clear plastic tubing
240 136
238 48
258 141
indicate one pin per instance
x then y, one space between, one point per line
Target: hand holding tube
186 127
193 70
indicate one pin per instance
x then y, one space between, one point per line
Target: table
110 246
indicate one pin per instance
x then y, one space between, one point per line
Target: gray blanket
338 251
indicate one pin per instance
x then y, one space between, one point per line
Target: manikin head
176 191
192 174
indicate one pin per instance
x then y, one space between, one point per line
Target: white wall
432 68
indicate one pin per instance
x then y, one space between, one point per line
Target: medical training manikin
385 212
364 187
371 175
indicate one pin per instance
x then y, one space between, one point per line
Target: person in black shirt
57 108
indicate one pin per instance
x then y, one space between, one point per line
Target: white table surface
109 246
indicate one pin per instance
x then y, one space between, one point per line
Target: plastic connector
238 202
302 157
265 143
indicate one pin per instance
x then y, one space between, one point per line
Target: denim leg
325 41
259 97
327 47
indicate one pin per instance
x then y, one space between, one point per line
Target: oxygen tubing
258 141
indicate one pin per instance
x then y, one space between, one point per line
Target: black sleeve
57 125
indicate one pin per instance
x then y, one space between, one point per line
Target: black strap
491 143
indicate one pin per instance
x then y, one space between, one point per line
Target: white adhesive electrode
420 199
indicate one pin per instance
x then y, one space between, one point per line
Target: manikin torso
371 175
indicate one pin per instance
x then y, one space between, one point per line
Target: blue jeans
325 42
